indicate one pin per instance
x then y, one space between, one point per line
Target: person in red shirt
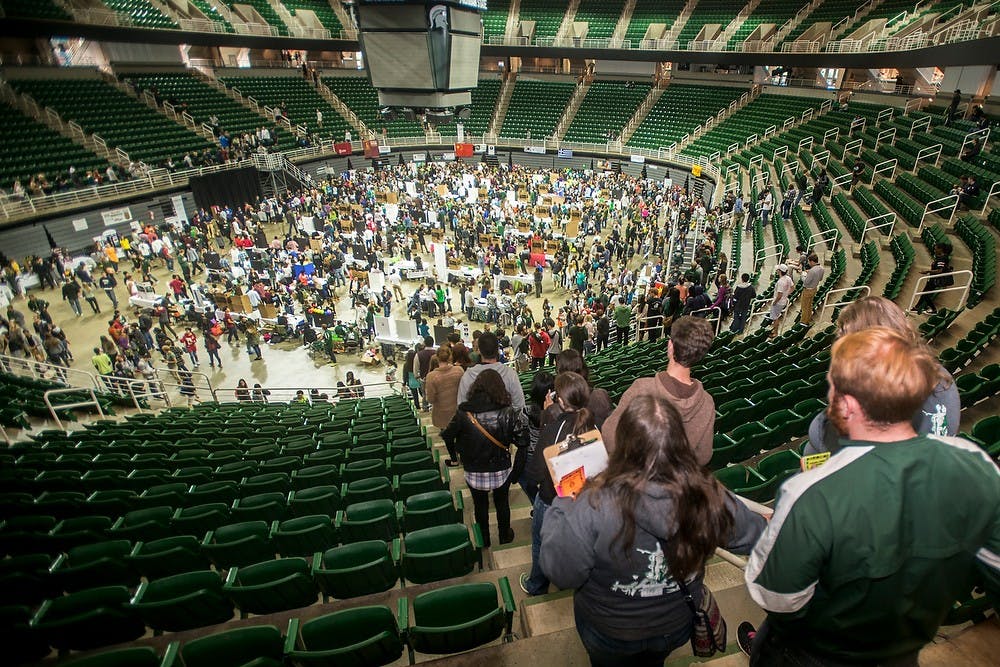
190 342
538 346
178 287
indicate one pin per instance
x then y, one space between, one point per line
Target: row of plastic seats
35 527
775 429
972 345
445 620
975 387
986 434
32 577
201 468
760 482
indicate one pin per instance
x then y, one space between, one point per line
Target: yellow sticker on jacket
814 460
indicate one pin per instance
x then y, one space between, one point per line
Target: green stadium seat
238 544
182 602
440 552
368 520
434 508
303 536
356 569
256 646
271 586
315 500
167 556
199 519
88 619
458 618
93 565
354 637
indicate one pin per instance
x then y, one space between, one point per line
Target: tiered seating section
30 9
651 11
30 148
547 15
601 17
535 106
203 101
198 503
705 12
300 97
358 94
679 110
495 18
324 12
212 13
754 118
607 106
121 120
484 104
831 11
142 14
773 11
266 12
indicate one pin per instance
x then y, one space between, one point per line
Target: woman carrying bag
487 431
634 543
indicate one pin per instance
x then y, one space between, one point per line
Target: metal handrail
67 406
922 280
864 289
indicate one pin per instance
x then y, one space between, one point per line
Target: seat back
456 618
439 552
359 636
235 647
355 569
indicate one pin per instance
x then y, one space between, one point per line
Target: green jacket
865 554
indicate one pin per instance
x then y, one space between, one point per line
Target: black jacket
506 424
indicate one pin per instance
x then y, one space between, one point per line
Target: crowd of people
634 541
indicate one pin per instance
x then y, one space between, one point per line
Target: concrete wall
30 239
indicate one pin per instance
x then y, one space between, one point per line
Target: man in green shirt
866 553
623 318
102 362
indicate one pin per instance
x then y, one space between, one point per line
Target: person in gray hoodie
690 339
636 534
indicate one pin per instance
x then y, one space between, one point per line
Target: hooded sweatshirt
694 403
627 595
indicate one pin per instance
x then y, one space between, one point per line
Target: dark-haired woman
599 403
648 522
487 429
572 396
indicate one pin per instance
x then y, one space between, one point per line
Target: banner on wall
342 148
116 216
463 150
178 203
639 159
564 153
419 157
371 148
537 150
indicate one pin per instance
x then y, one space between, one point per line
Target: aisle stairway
121 120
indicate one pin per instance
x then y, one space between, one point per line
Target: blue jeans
607 651
537 583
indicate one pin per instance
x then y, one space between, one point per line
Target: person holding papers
571 395
635 541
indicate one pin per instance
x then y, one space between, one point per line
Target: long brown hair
489 387
652 448
574 393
